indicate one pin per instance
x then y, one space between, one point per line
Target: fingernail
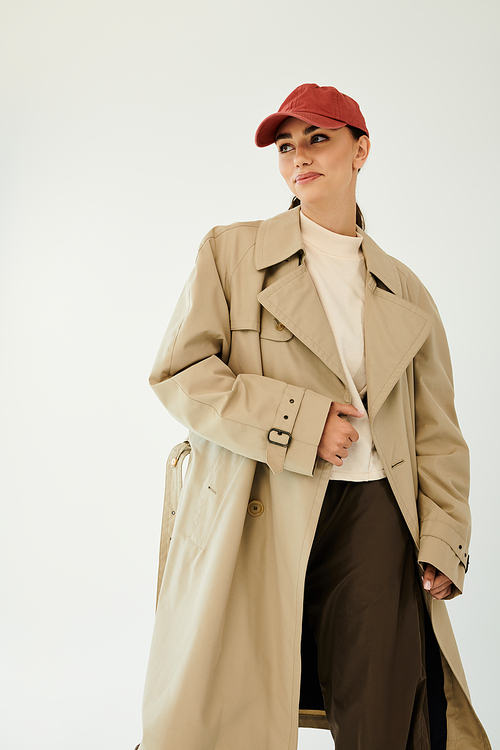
427 585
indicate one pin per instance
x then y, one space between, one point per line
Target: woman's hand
436 583
338 435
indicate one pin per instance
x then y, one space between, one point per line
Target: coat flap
395 329
293 301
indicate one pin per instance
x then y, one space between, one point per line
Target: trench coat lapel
292 299
395 328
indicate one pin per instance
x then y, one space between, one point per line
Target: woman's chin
310 194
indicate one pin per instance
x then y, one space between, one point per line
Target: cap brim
266 132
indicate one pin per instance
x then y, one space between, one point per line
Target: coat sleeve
255 416
442 457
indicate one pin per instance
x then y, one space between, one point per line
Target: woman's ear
363 146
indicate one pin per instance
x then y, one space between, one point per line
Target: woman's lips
307 177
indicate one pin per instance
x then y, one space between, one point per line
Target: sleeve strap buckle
279 437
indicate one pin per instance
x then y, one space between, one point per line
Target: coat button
173 462
255 508
279 326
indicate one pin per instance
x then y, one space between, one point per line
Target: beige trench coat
249 364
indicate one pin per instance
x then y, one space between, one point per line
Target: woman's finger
442 594
429 577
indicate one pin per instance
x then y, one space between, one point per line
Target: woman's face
319 164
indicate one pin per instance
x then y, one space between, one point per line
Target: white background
127 132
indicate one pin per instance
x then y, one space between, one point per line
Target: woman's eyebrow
305 132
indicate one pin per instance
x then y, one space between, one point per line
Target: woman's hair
360 219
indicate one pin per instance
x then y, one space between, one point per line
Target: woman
323 518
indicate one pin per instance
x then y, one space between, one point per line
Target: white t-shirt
338 270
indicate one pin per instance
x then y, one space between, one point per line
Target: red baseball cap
323 106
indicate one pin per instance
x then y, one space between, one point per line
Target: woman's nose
302 156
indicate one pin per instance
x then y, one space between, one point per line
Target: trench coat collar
280 237
389 317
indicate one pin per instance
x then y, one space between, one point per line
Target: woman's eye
318 138
284 148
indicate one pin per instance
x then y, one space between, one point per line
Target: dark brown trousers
363 644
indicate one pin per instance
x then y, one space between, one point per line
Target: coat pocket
209 502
